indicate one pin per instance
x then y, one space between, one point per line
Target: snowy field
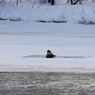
23 44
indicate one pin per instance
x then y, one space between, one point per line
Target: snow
23 44
62 11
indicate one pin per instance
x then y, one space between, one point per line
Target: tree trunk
48 1
71 2
52 2
17 2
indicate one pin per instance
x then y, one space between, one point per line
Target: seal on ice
49 54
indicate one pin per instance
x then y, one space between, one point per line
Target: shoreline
48 70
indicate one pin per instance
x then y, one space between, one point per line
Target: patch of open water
47 83
43 56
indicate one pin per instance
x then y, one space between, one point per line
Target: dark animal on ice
49 54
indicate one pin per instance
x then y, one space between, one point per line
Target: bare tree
52 2
17 2
49 1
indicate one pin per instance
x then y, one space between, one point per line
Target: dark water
43 56
47 83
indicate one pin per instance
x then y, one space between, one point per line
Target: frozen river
23 46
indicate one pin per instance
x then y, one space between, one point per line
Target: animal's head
48 51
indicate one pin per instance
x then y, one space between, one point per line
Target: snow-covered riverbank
61 11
